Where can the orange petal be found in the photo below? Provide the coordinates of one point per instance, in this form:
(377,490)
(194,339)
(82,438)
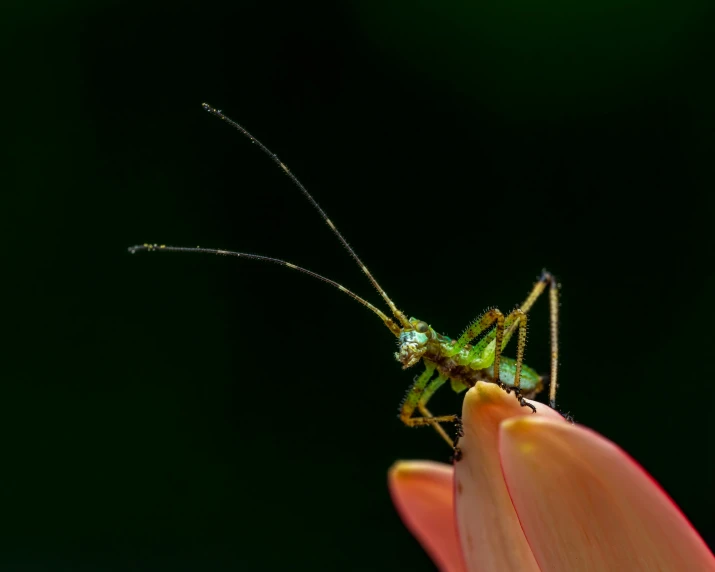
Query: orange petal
(586,505)
(489,529)
(423,493)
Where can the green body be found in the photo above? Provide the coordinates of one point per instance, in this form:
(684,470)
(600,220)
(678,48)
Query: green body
(464,364)
(475,356)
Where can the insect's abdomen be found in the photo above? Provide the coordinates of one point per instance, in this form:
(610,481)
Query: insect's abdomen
(530,381)
(463,376)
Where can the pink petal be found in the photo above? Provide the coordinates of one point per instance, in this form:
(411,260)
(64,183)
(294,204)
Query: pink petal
(585,505)
(489,529)
(423,493)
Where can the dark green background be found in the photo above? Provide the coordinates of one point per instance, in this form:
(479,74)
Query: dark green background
(176,412)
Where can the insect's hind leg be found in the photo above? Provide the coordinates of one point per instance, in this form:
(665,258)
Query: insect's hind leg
(554,325)
(546,279)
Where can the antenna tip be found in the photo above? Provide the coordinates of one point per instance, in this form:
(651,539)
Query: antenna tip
(210,109)
(141,247)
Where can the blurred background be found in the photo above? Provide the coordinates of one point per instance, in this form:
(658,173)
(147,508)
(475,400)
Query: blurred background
(180,412)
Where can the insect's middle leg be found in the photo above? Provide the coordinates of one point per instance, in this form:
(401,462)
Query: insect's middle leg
(517,319)
(475,329)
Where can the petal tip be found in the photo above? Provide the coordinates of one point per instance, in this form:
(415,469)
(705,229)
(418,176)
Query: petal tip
(399,468)
(405,471)
(484,393)
(488,391)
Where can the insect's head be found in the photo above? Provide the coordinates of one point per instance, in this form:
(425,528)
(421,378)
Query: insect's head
(413,342)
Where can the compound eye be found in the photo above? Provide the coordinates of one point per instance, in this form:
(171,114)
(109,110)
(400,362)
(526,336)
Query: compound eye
(422,327)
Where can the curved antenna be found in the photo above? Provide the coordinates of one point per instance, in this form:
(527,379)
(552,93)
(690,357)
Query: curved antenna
(394,328)
(218,113)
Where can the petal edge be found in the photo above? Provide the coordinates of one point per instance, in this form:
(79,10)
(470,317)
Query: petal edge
(584,504)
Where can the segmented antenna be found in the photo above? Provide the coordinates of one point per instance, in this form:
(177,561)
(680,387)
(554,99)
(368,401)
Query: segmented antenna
(394,328)
(397,313)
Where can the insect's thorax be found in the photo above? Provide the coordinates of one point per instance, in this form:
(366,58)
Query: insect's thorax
(423,342)
(463,367)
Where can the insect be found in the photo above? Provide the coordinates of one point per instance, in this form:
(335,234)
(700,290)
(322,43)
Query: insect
(475,356)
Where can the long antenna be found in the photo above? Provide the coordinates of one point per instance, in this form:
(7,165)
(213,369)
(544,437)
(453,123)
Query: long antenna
(394,328)
(218,113)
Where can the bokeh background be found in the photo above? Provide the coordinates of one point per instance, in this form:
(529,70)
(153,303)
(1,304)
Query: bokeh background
(178,412)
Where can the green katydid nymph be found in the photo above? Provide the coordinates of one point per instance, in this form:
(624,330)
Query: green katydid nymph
(475,356)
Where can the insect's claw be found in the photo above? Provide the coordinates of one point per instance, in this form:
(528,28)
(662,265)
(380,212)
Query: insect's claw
(503,385)
(524,403)
(459,427)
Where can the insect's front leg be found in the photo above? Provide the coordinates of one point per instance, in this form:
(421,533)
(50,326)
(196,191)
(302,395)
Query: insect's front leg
(417,397)
(433,386)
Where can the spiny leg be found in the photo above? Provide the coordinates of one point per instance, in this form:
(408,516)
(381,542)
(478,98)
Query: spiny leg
(486,320)
(554,323)
(437,427)
(500,336)
(482,323)
(504,330)
(536,291)
(496,336)
(517,319)
(433,386)
(412,398)
(546,279)
(412,402)
(417,397)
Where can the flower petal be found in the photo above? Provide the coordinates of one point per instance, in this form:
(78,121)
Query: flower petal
(586,505)
(489,529)
(423,493)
